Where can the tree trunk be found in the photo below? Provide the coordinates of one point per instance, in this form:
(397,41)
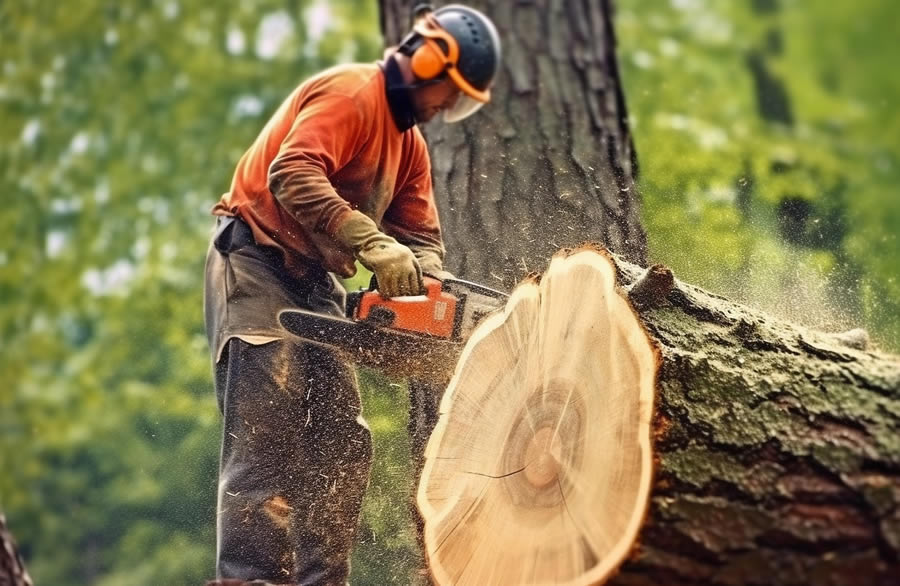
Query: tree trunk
(550,161)
(12,568)
(776,448)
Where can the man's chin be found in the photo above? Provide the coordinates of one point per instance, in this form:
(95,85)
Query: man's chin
(426,116)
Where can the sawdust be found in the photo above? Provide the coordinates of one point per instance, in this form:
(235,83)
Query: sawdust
(279,511)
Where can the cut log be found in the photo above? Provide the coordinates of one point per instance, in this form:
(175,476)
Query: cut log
(776,449)
(539,469)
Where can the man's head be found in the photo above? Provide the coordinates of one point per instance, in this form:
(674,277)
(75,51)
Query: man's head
(453,55)
(430,99)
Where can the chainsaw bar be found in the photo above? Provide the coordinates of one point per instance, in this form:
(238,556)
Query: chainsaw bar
(394,352)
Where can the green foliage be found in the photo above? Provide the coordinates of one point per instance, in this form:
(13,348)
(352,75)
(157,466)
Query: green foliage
(121,124)
(787,202)
(386,551)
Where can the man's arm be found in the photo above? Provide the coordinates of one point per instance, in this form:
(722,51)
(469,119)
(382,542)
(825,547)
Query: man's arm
(310,153)
(325,136)
(412,217)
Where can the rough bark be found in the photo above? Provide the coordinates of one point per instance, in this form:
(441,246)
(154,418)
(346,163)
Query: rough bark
(550,162)
(777,451)
(12,568)
(778,448)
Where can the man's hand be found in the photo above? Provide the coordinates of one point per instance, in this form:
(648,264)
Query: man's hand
(431,262)
(439,274)
(395,266)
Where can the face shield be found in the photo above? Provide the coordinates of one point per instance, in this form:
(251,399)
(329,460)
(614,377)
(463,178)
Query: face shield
(469,101)
(440,56)
(464,107)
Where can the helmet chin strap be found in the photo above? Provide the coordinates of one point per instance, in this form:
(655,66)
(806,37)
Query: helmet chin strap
(399,92)
(399,95)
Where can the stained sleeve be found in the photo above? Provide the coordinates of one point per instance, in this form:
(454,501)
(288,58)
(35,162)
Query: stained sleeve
(412,217)
(327,133)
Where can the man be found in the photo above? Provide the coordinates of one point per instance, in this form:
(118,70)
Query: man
(340,173)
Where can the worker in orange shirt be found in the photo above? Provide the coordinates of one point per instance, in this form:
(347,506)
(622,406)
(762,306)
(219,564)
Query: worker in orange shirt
(340,173)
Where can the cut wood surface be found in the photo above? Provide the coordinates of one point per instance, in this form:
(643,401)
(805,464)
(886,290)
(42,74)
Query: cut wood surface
(776,448)
(539,469)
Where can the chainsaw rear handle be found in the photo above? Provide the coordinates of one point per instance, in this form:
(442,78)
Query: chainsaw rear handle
(429,283)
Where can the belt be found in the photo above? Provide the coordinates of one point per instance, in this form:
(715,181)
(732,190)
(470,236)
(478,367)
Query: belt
(233,233)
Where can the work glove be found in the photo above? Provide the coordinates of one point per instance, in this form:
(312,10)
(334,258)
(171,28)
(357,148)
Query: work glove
(395,266)
(439,274)
(431,263)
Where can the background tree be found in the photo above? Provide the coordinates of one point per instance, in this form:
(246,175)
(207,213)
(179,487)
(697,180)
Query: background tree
(12,569)
(550,163)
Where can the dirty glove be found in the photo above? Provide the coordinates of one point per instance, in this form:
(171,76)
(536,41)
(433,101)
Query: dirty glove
(395,266)
(439,274)
(431,263)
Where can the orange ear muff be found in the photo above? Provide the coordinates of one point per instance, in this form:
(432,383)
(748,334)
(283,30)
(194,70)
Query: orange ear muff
(428,61)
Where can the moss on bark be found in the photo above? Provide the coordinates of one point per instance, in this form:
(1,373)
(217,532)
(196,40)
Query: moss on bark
(777,449)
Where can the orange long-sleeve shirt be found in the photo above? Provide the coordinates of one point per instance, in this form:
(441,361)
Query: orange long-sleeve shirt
(331,147)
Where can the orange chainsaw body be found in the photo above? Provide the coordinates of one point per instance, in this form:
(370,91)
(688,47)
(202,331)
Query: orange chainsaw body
(433,313)
(418,336)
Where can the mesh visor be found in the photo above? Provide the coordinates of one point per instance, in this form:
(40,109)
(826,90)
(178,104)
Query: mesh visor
(464,107)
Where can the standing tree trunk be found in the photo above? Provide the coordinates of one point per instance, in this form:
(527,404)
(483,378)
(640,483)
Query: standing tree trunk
(550,162)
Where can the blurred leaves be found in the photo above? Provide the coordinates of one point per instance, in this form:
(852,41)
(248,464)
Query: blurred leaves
(121,124)
(768,138)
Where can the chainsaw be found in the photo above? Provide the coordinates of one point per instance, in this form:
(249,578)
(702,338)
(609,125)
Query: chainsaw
(416,336)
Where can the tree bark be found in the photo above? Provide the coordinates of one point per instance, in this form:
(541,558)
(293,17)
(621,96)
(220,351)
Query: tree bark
(777,451)
(550,161)
(12,568)
(776,448)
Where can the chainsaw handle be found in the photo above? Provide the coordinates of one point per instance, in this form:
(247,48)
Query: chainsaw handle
(432,286)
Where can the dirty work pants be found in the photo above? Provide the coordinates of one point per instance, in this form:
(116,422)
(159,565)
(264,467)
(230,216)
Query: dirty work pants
(296,452)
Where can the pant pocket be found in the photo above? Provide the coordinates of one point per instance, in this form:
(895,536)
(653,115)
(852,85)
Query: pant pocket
(223,241)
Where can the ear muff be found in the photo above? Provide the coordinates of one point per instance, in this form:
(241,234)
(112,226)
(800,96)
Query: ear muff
(428,61)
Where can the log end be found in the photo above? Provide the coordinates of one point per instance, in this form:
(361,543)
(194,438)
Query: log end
(539,469)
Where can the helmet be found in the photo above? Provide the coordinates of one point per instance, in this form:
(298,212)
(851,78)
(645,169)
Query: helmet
(462,43)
